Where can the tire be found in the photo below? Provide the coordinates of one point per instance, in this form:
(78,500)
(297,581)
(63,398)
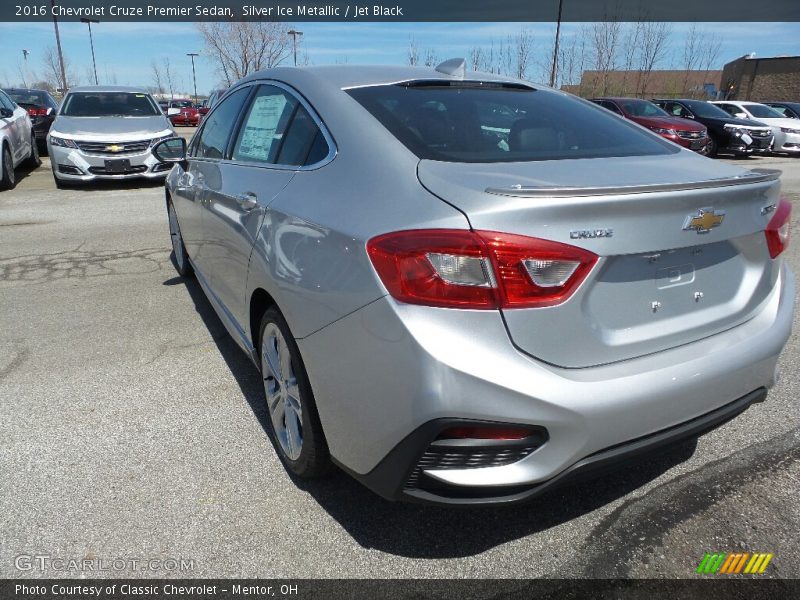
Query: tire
(712,147)
(33,161)
(182,264)
(293,418)
(8,178)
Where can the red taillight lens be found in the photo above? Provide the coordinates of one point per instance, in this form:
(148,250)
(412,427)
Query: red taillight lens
(778,229)
(484,433)
(477,269)
(37,112)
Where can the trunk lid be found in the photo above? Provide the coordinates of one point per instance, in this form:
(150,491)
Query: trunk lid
(657,284)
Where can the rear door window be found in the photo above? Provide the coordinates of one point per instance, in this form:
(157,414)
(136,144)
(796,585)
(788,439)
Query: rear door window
(261,135)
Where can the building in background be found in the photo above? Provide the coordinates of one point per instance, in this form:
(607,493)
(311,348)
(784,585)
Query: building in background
(762,79)
(641,84)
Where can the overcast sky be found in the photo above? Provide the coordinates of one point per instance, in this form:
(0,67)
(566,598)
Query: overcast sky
(124,50)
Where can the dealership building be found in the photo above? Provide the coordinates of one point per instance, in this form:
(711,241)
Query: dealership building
(762,79)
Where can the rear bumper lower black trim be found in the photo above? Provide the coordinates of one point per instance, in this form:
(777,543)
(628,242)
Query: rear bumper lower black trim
(389,476)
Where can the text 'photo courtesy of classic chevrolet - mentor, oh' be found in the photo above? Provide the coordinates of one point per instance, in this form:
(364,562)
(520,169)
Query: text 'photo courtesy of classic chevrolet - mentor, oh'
(463,288)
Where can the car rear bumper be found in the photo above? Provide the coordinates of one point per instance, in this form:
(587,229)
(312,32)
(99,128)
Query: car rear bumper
(70,164)
(430,368)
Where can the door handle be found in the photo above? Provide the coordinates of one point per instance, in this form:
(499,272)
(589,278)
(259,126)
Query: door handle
(248,201)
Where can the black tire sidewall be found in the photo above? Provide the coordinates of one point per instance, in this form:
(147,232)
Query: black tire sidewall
(7,177)
(185,269)
(314,458)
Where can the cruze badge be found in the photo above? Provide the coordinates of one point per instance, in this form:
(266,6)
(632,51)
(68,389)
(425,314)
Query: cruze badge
(704,220)
(581,234)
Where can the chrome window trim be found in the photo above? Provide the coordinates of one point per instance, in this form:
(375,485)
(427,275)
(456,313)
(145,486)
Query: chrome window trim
(332,148)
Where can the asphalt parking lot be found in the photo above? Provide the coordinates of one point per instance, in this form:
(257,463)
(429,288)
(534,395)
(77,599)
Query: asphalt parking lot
(131,426)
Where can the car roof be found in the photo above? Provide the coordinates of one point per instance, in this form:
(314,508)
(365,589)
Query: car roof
(350,76)
(108,88)
(619,98)
(18,89)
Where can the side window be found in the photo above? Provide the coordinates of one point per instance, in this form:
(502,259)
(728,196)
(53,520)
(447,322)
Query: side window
(213,139)
(783,110)
(729,108)
(5,101)
(679,110)
(612,107)
(262,133)
(304,143)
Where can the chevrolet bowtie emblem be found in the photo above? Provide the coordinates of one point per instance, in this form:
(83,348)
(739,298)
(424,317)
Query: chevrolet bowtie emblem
(704,221)
(114,148)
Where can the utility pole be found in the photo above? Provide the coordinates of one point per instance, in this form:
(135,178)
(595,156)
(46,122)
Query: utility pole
(555,49)
(294,33)
(194,75)
(91,43)
(58,45)
(25,67)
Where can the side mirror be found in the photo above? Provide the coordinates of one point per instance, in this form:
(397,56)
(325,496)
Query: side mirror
(171,150)
(6,113)
(688,116)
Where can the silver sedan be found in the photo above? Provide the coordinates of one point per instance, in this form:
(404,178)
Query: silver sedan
(106,132)
(463,288)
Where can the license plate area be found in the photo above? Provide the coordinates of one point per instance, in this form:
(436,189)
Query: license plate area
(118,165)
(696,144)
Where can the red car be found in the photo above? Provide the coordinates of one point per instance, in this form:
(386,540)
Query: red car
(183,112)
(683,132)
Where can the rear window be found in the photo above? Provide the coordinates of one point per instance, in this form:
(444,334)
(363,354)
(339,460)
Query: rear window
(108,104)
(484,123)
(28,97)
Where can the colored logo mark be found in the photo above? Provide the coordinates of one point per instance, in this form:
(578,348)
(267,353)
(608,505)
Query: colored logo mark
(733,563)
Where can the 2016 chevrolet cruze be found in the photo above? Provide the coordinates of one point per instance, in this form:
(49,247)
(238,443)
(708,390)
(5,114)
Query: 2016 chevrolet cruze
(462,288)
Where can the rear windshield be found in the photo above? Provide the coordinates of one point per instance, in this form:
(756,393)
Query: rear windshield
(642,108)
(28,97)
(181,104)
(108,104)
(485,123)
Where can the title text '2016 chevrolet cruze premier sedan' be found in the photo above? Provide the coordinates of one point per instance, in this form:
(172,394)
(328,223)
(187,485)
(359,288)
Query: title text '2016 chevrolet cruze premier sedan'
(463,288)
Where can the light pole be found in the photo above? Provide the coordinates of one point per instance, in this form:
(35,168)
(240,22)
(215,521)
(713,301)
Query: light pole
(25,68)
(91,43)
(194,75)
(64,83)
(555,49)
(294,33)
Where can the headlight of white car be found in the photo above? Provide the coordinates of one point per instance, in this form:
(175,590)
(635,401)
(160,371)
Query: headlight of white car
(788,130)
(63,142)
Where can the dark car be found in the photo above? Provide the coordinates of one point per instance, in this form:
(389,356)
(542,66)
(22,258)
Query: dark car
(183,112)
(213,98)
(726,133)
(790,110)
(41,107)
(686,133)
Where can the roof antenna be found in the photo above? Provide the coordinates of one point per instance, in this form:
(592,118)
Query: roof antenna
(455,67)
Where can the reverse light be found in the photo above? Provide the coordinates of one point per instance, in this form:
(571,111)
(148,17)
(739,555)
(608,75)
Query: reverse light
(778,229)
(477,269)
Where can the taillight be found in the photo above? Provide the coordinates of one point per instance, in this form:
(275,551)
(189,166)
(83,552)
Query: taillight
(477,269)
(37,112)
(778,229)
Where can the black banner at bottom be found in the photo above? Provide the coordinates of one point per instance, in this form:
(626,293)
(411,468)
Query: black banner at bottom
(433,589)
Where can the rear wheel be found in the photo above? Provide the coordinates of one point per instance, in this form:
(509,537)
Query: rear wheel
(7,178)
(33,161)
(182,264)
(711,148)
(293,416)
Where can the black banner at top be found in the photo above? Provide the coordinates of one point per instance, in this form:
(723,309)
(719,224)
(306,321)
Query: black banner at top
(403,10)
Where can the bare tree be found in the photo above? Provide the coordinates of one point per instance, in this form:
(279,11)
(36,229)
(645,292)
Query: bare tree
(479,59)
(709,54)
(652,42)
(413,52)
(572,60)
(605,39)
(240,48)
(157,78)
(52,70)
(523,51)
(700,53)
(431,57)
(172,79)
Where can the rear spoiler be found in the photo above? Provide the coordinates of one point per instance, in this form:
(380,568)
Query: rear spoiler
(752,176)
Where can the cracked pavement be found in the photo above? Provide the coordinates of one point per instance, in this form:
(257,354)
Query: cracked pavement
(132,426)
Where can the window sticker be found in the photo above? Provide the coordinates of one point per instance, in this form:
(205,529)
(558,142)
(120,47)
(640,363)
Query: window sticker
(260,130)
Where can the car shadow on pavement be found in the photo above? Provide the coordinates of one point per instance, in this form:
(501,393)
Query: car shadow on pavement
(418,531)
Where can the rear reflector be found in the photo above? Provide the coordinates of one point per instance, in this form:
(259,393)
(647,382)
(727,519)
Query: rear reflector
(778,229)
(484,433)
(477,269)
